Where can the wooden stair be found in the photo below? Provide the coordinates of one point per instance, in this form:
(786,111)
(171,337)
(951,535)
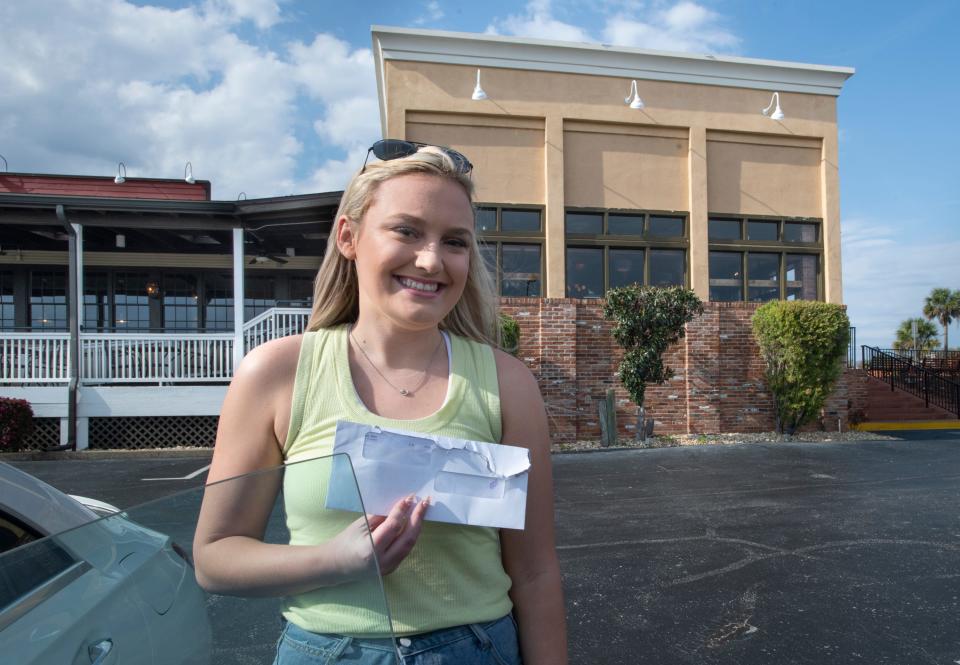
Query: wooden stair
(884,404)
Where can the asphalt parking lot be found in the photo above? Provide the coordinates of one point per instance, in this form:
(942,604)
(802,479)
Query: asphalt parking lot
(748,554)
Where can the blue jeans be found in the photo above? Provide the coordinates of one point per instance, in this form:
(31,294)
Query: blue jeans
(493,643)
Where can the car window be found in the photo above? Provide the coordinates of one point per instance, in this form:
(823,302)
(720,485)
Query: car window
(27,568)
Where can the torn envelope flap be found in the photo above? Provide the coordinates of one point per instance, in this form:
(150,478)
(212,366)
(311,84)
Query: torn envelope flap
(470,482)
(496,460)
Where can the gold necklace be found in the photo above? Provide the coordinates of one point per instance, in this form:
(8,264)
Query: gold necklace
(402,391)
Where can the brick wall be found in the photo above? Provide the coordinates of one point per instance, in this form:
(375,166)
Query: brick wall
(718,373)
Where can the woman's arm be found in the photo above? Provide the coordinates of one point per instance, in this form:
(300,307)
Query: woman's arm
(229,552)
(529,556)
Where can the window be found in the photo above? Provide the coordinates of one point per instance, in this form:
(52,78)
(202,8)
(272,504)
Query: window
(610,249)
(259,295)
(96,301)
(764,259)
(511,244)
(218,301)
(181,308)
(8,319)
(48,300)
(131,303)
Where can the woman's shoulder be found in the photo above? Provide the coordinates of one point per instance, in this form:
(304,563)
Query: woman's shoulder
(271,363)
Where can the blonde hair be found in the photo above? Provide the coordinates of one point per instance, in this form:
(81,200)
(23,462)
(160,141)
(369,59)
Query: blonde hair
(336,290)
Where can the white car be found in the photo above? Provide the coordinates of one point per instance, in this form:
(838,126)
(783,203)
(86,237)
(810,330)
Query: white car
(77,589)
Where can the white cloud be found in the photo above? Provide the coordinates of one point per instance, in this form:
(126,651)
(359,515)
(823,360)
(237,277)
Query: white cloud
(537,21)
(886,276)
(433,12)
(263,13)
(683,26)
(89,84)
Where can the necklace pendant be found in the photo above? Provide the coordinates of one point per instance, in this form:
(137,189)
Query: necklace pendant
(404,392)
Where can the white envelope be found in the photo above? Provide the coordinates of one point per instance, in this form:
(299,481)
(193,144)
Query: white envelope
(469,482)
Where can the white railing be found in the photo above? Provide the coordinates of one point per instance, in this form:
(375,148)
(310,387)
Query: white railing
(275,322)
(34,357)
(156,358)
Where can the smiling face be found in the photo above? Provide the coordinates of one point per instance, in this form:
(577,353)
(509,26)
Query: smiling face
(411,250)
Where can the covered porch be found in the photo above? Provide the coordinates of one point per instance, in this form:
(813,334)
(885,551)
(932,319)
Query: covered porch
(114,308)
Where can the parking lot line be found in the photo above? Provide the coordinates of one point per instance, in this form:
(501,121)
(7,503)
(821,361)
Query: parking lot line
(189,476)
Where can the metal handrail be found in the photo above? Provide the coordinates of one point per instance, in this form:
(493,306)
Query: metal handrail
(903,373)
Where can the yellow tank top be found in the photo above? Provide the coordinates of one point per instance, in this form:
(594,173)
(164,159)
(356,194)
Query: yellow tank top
(454,574)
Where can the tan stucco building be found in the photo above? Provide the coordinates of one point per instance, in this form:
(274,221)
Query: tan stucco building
(579,191)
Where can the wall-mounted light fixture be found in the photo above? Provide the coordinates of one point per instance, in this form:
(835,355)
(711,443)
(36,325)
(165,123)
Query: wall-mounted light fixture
(153,289)
(478,93)
(121,241)
(777,113)
(633,99)
(121,174)
(188,173)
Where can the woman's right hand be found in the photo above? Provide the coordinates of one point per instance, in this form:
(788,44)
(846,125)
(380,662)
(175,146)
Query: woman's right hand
(392,537)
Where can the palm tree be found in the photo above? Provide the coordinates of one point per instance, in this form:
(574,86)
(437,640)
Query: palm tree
(944,306)
(926,339)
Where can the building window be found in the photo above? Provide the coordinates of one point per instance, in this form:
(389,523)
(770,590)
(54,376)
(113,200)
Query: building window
(96,301)
(181,307)
(8,318)
(131,303)
(511,244)
(762,259)
(259,295)
(218,301)
(301,291)
(610,249)
(48,300)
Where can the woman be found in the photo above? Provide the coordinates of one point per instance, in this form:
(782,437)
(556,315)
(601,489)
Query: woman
(399,336)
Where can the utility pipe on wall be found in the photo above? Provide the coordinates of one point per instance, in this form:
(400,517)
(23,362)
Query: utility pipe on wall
(73,281)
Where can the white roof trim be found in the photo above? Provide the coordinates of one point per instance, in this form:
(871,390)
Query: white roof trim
(478,50)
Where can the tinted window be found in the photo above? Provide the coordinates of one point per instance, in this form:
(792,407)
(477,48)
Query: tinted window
(799,232)
(585,223)
(486,220)
(626,267)
(763,271)
(726,276)
(762,230)
(625,225)
(667,267)
(724,229)
(521,270)
(27,560)
(520,220)
(584,272)
(801,276)
(665,227)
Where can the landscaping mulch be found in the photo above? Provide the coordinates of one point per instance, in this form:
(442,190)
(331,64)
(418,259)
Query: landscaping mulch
(675,440)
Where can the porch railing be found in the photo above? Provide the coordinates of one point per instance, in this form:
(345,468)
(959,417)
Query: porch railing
(34,357)
(275,322)
(156,358)
(39,358)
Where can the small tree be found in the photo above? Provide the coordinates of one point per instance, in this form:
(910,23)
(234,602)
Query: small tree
(802,344)
(16,423)
(647,320)
(509,334)
(926,339)
(944,306)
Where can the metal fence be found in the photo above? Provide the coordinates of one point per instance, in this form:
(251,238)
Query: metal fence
(905,374)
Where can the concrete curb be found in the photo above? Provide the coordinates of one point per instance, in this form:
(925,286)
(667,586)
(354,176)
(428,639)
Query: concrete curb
(901,425)
(152,453)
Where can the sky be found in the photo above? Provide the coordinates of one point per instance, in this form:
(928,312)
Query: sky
(274,97)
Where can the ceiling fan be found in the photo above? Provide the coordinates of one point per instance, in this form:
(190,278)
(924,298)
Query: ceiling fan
(263,257)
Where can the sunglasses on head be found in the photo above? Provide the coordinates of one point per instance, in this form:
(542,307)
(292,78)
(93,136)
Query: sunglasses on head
(387,149)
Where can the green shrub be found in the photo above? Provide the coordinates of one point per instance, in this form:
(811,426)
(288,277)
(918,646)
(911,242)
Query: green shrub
(647,320)
(803,344)
(16,423)
(509,334)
